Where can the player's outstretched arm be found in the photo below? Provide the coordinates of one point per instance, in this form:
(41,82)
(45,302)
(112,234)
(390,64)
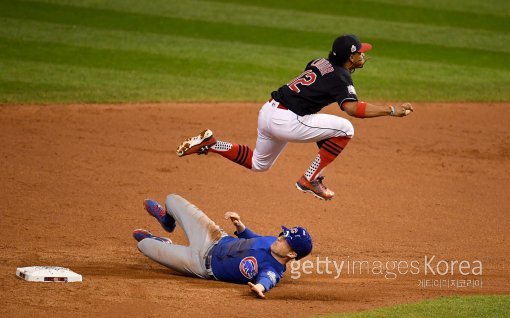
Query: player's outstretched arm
(236,220)
(367,110)
(258,289)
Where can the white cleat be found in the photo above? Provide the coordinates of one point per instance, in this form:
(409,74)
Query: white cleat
(199,144)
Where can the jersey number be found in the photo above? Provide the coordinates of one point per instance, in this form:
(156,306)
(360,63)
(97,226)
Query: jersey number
(306,78)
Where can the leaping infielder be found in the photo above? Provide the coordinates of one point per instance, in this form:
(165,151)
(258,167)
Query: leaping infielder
(291,115)
(258,261)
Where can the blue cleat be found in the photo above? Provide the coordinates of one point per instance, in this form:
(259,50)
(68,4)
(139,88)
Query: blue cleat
(157,211)
(141,234)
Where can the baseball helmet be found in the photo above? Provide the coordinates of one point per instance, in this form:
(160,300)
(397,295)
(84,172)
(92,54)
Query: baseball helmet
(299,240)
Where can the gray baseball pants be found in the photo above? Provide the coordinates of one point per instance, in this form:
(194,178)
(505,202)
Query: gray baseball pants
(202,234)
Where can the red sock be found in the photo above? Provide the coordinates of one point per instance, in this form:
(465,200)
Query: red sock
(328,151)
(239,154)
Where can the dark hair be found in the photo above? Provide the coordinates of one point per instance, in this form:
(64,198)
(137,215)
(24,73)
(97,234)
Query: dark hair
(337,59)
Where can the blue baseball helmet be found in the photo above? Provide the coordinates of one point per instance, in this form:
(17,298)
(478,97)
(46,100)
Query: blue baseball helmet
(299,240)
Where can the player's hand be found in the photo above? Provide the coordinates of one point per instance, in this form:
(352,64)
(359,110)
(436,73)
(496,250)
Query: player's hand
(257,289)
(236,220)
(234,217)
(402,110)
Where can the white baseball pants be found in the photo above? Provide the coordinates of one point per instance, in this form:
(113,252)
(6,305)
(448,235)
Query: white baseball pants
(277,127)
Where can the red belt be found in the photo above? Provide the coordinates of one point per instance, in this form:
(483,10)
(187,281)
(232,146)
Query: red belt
(280,105)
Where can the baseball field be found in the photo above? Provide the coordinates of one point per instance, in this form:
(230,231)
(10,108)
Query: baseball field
(95,96)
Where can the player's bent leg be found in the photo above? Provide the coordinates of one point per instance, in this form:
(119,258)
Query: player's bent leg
(329,149)
(312,181)
(266,152)
(200,230)
(332,135)
(318,127)
(177,257)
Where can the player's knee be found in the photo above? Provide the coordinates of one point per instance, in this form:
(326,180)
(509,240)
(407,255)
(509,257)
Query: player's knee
(171,199)
(260,166)
(347,130)
(174,202)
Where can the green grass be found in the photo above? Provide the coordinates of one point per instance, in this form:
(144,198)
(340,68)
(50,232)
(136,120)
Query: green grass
(472,307)
(68,51)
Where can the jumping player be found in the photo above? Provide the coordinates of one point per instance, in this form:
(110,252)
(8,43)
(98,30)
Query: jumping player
(258,261)
(291,115)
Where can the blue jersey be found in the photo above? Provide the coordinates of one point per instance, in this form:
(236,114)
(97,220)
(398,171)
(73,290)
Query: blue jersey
(246,259)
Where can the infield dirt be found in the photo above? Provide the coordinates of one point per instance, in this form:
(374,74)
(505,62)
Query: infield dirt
(74,179)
